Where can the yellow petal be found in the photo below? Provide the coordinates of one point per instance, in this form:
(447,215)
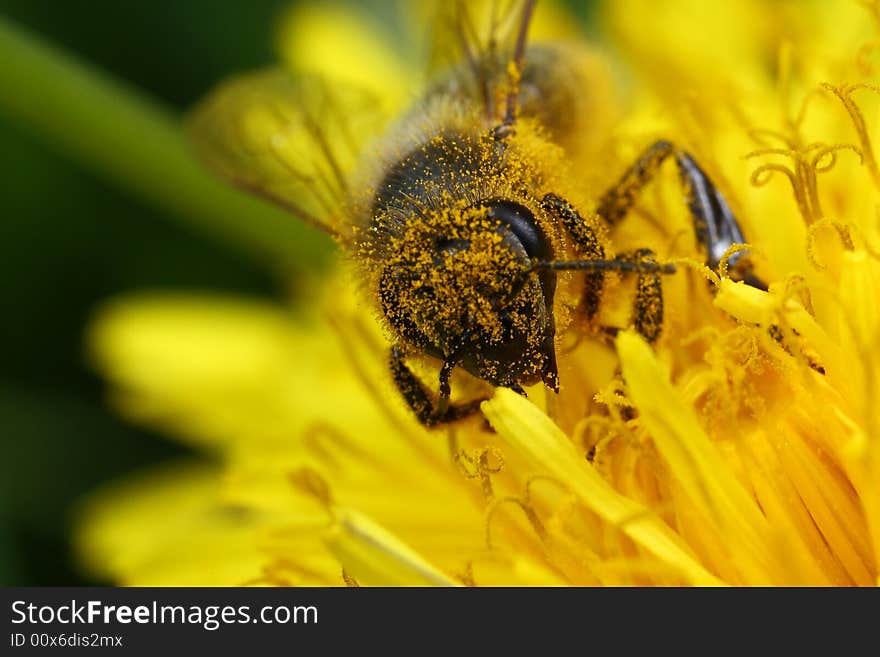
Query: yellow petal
(374,556)
(746,303)
(169,527)
(860,336)
(225,370)
(753,306)
(532,434)
(704,474)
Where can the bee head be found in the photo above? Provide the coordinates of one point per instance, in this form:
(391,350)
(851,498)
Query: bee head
(460,286)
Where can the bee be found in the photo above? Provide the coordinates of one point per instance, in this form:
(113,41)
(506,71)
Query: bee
(468,226)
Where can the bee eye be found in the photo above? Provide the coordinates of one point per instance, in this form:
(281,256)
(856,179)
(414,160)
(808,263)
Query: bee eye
(521,222)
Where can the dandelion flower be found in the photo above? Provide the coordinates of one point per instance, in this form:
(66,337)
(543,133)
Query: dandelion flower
(743,448)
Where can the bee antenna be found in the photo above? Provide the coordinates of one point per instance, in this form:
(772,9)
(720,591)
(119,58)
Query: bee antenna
(515,70)
(628,266)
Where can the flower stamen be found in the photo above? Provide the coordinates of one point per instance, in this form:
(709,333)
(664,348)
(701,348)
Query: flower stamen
(699,267)
(526,508)
(843,232)
(310,481)
(844,93)
(478,465)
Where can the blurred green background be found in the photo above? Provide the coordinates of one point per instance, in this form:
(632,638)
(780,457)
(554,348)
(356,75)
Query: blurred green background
(70,238)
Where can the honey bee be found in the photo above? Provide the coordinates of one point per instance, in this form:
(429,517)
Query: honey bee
(464,216)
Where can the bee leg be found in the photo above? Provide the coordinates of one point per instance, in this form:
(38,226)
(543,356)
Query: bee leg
(588,246)
(418,398)
(616,203)
(648,306)
(647,317)
(445,390)
(715,225)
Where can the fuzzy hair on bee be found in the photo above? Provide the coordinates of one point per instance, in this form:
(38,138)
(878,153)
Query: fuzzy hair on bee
(474,218)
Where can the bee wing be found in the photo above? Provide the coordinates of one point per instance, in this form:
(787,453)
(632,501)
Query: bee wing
(476,32)
(292,139)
